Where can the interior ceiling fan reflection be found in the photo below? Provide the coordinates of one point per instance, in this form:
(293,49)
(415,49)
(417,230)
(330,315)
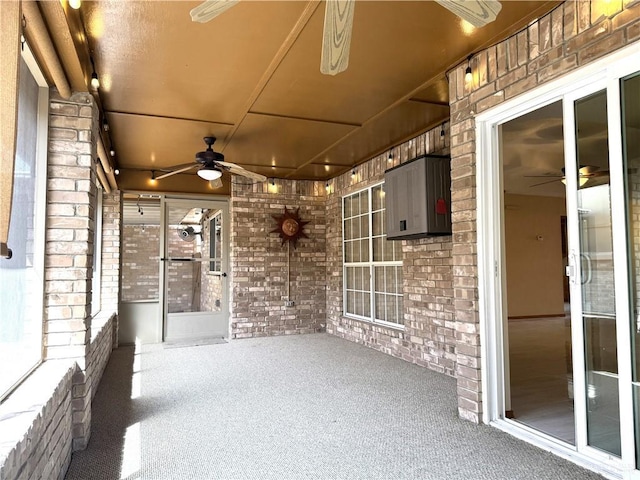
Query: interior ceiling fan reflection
(338,24)
(212,166)
(585,172)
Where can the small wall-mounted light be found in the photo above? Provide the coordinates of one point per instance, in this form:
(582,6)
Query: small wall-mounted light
(390,157)
(353,173)
(117,171)
(75,4)
(95,82)
(272,187)
(112,153)
(442,130)
(105,124)
(468,73)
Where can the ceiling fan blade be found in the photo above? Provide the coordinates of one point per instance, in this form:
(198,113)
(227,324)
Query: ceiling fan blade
(336,36)
(544,183)
(238,170)
(175,172)
(600,173)
(543,176)
(210,9)
(217,183)
(477,12)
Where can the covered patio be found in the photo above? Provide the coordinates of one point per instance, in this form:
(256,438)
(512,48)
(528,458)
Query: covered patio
(302,406)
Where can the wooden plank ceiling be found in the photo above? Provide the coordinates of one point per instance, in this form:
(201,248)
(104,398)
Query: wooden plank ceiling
(251,77)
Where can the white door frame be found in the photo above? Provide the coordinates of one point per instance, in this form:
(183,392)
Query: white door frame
(491,278)
(224,315)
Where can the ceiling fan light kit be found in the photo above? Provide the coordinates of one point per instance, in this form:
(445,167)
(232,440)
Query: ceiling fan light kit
(209,173)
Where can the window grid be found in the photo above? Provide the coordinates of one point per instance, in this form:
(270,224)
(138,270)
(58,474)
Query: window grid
(372,265)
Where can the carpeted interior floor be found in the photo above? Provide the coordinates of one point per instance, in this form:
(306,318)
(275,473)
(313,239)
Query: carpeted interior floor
(307,406)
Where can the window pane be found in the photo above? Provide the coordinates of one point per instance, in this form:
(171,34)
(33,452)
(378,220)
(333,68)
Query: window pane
(348,209)
(377,221)
(350,278)
(377,198)
(21,304)
(380,307)
(378,246)
(366,301)
(364,250)
(364,201)
(364,226)
(348,231)
(351,301)
(391,308)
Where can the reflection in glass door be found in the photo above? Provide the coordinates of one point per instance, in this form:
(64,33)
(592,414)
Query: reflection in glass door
(630,110)
(194,270)
(597,273)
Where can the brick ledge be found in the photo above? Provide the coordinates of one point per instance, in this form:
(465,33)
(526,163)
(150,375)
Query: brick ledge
(22,414)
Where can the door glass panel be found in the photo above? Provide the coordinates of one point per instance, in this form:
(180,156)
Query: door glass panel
(195,298)
(597,279)
(194,281)
(630,93)
(538,350)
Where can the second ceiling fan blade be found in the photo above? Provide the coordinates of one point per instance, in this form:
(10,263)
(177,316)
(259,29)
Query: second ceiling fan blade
(477,12)
(175,172)
(211,9)
(336,36)
(238,170)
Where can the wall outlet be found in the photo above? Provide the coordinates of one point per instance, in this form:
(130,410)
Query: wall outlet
(289,303)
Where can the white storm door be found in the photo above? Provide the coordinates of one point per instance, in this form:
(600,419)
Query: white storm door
(194,269)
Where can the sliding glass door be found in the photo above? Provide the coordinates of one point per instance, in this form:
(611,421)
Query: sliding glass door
(559,196)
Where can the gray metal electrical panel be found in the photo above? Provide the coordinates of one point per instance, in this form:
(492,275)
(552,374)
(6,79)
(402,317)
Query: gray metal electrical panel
(418,198)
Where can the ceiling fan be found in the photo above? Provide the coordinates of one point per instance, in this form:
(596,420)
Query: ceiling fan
(585,172)
(212,166)
(338,23)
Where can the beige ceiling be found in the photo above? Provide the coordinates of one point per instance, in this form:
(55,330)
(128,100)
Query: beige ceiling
(251,77)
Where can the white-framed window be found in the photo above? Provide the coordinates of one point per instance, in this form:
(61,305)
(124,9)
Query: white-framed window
(96,283)
(22,276)
(372,265)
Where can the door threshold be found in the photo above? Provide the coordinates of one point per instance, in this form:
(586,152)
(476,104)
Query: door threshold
(194,342)
(558,447)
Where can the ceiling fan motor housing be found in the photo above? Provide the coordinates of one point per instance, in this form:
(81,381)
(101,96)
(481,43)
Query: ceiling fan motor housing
(208,156)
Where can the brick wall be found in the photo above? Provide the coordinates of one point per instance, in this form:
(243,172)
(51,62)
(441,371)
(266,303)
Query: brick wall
(70,224)
(100,350)
(259,261)
(571,36)
(428,338)
(111,259)
(140,262)
(69,227)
